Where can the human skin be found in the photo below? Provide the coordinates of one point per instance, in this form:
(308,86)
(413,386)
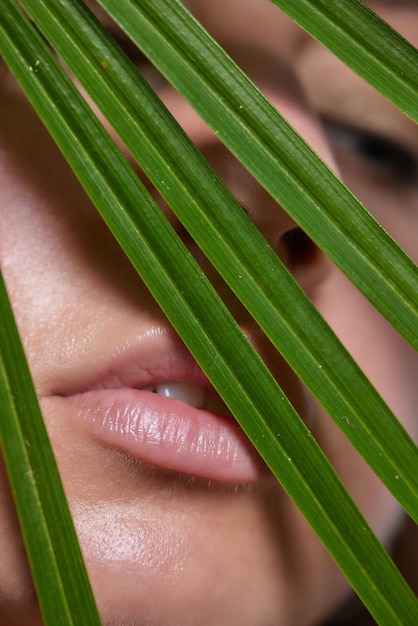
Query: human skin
(163,547)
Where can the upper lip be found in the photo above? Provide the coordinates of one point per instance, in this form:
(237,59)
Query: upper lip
(154,357)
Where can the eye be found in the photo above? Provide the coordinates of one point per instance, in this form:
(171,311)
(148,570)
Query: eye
(379,156)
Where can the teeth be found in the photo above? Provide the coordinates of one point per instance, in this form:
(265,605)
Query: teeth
(186,392)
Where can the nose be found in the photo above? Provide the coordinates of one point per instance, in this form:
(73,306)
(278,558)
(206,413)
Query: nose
(278,83)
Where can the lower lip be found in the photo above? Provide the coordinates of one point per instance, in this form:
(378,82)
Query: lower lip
(170,434)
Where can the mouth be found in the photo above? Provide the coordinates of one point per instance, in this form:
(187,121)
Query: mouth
(156,406)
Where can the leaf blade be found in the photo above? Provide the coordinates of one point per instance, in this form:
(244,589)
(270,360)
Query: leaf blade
(62,585)
(364,42)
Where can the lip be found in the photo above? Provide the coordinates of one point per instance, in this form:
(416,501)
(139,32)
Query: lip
(169,434)
(114,406)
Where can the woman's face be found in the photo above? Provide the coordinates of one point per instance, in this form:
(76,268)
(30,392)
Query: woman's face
(192,541)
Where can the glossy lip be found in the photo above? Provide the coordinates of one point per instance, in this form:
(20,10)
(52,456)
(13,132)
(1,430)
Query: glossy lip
(116,411)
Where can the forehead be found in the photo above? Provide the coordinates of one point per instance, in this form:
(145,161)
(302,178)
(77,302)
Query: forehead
(256,21)
(402,16)
(394,4)
(260,23)
(234,21)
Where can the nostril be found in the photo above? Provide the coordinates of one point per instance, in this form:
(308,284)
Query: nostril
(308,264)
(300,249)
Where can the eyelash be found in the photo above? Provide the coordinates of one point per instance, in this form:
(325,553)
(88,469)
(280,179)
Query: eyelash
(387,157)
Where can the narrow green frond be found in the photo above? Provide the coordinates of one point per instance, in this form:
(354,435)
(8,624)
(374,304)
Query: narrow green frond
(60,577)
(364,42)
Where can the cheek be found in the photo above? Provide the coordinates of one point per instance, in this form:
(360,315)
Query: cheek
(384,356)
(391,365)
(395,206)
